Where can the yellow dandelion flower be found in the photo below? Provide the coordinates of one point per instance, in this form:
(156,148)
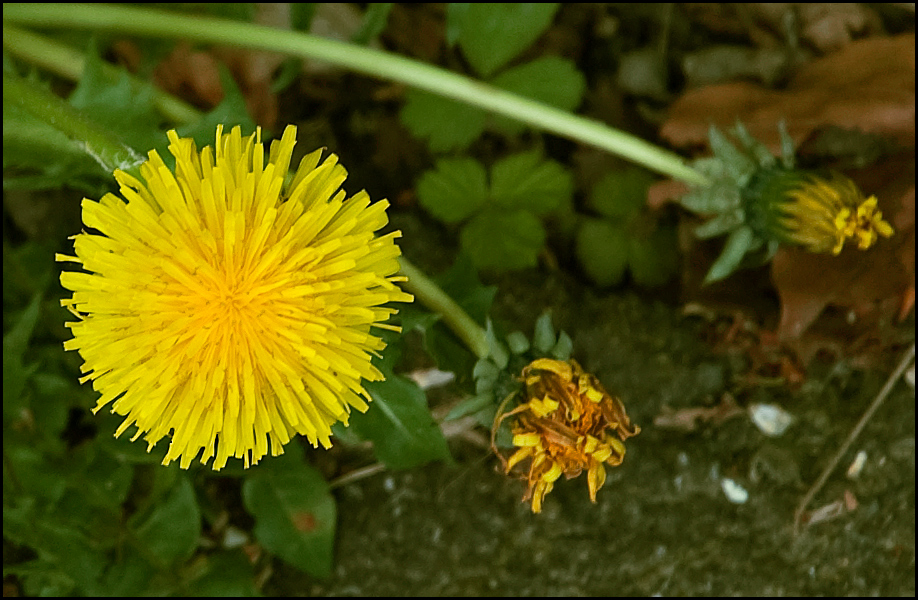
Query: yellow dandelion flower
(816,212)
(566,424)
(229,302)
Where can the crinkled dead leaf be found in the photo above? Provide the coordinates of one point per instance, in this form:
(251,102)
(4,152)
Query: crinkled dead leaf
(869,283)
(868,85)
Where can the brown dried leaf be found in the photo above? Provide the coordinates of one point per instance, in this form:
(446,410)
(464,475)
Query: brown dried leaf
(869,85)
(871,282)
(688,419)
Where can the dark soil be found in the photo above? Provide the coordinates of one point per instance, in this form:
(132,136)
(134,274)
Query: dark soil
(662,524)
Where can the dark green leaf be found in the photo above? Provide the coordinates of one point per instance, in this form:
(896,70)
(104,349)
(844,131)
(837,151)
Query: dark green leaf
(503,240)
(294,515)
(228,574)
(492,34)
(399,424)
(527,181)
(374,22)
(470,405)
(621,193)
(446,124)
(602,248)
(454,190)
(172,528)
(124,106)
(653,259)
(15,372)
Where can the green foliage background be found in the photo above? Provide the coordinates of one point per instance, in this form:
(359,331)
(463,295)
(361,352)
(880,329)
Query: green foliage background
(88,514)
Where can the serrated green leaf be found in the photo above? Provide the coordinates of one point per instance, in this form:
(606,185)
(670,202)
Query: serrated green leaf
(788,160)
(15,371)
(503,240)
(621,193)
(738,166)
(171,530)
(518,342)
(527,181)
(294,515)
(485,374)
(543,337)
(454,190)
(722,196)
(491,34)
(754,147)
(472,404)
(444,123)
(602,249)
(739,242)
(28,142)
(720,224)
(124,106)
(653,259)
(550,79)
(399,424)
(564,347)
(497,352)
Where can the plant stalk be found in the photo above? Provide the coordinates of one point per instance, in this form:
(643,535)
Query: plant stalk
(432,296)
(376,63)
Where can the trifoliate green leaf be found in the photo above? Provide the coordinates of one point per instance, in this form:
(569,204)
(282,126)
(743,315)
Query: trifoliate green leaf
(454,190)
(550,79)
(653,259)
(526,180)
(602,248)
(492,34)
(621,193)
(445,124)
(503,240)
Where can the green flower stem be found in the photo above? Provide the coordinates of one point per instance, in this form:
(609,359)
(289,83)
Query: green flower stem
(104,147)
(69,63)
(158,23)
(432,296)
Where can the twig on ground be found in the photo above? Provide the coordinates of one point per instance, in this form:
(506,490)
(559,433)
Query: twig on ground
(824,476)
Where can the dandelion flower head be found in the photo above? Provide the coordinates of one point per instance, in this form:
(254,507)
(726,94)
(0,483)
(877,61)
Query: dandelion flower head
(566,424)
(229,303)
(821,213)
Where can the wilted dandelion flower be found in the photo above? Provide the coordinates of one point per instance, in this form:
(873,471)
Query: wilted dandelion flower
(567,423)
(230,302)
(820,213)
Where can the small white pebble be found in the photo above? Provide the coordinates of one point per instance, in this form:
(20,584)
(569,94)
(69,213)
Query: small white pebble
(857,465)
(735,493)
(771,419)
